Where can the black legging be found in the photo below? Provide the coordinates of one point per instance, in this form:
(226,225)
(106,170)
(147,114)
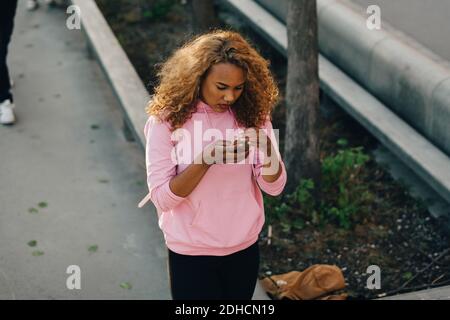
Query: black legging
(7,13)
(231,277)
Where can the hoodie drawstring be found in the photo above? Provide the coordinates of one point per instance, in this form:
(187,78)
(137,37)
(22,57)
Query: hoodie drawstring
(209,120)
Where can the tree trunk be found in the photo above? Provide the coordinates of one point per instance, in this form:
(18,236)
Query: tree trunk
(301,152)
(204,15)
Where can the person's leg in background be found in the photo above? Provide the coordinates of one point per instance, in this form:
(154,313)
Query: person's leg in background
(239,273)
(7,13)
(194,277)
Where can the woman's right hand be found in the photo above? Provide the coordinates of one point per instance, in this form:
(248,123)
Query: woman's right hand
(183,183)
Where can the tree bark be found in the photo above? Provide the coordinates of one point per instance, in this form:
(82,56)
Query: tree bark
(301,152)
(204,15)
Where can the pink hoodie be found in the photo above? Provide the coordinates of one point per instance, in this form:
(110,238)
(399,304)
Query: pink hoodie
(225,212)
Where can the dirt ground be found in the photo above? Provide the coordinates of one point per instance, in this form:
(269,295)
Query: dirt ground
(397,233)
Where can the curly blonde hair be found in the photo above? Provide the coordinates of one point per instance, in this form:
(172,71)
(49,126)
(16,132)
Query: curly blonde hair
(181,75)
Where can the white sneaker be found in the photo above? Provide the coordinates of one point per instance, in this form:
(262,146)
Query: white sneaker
(6,112)
(32,5)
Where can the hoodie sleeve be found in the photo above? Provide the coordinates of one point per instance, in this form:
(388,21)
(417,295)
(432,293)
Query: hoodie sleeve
(276,187)
(159,164)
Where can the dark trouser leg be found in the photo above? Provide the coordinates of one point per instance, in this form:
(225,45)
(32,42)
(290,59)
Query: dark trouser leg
(7,13)
(239,273)
(194,277)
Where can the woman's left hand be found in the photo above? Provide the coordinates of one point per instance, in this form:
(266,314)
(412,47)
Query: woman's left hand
(259,139)
(271,165)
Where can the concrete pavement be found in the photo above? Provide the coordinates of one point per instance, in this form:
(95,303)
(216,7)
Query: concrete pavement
(67,150)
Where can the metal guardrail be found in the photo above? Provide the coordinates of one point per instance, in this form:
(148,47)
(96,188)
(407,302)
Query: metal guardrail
(418,153)
(407,77)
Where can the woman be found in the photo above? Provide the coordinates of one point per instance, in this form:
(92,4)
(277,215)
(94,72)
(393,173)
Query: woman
(207,191)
